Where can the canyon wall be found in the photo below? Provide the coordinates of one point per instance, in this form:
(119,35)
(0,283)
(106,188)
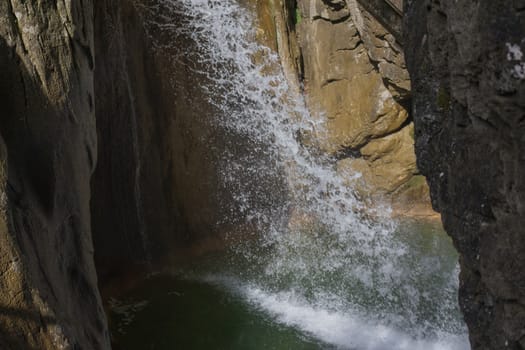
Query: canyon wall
(105,139)
(467,67)
(84,92)
(352,72)
(105,136)
(156,188)
(48,289)
(154,185)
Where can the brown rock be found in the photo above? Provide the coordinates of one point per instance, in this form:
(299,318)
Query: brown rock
(387,163)
(48,292)
(355,80)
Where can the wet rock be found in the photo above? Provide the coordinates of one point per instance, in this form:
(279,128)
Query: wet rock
(354,78)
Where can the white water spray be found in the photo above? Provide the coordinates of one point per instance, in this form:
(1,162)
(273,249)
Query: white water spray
(319,245)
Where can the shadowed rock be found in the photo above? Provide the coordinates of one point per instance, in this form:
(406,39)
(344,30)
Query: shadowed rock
(466,63)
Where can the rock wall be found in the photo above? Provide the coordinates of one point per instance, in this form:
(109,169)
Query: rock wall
(48,288)
(467,67)
(156,188)
(352,72)
(133,206)
(74,77)
(105,136)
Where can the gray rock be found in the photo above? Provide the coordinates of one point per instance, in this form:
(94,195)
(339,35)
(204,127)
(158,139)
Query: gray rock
(465,59)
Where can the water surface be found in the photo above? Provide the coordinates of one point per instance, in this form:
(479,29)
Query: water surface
(230,300)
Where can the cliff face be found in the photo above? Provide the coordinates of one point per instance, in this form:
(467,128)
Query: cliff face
(104,137)
(468,75)
(156,188)
(352,72)
(132,184)
(48,290)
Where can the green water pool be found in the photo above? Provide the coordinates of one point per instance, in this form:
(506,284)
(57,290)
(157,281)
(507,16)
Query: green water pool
(231,300)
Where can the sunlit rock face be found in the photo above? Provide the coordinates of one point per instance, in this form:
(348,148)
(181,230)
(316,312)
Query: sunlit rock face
(466,63)
(346,54)
(352,73)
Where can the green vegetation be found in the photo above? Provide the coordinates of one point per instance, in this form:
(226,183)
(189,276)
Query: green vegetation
(298,17)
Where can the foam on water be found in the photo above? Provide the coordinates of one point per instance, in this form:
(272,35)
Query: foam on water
(344,330)
(336,326)
(326,262)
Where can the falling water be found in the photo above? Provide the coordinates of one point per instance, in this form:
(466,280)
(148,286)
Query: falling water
(323,260)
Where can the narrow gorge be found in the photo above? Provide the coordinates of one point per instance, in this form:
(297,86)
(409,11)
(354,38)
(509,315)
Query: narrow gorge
(241,174)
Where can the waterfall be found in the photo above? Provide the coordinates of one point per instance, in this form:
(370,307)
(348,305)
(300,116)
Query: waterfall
(322,259)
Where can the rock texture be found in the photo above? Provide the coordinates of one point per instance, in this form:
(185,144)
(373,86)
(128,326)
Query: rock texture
(352,72)
(48,288)
(132,205)
(466,61)
(347,55)
(104,134)
(156,187)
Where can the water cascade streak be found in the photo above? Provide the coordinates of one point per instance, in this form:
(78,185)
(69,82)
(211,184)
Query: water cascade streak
(324,260)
